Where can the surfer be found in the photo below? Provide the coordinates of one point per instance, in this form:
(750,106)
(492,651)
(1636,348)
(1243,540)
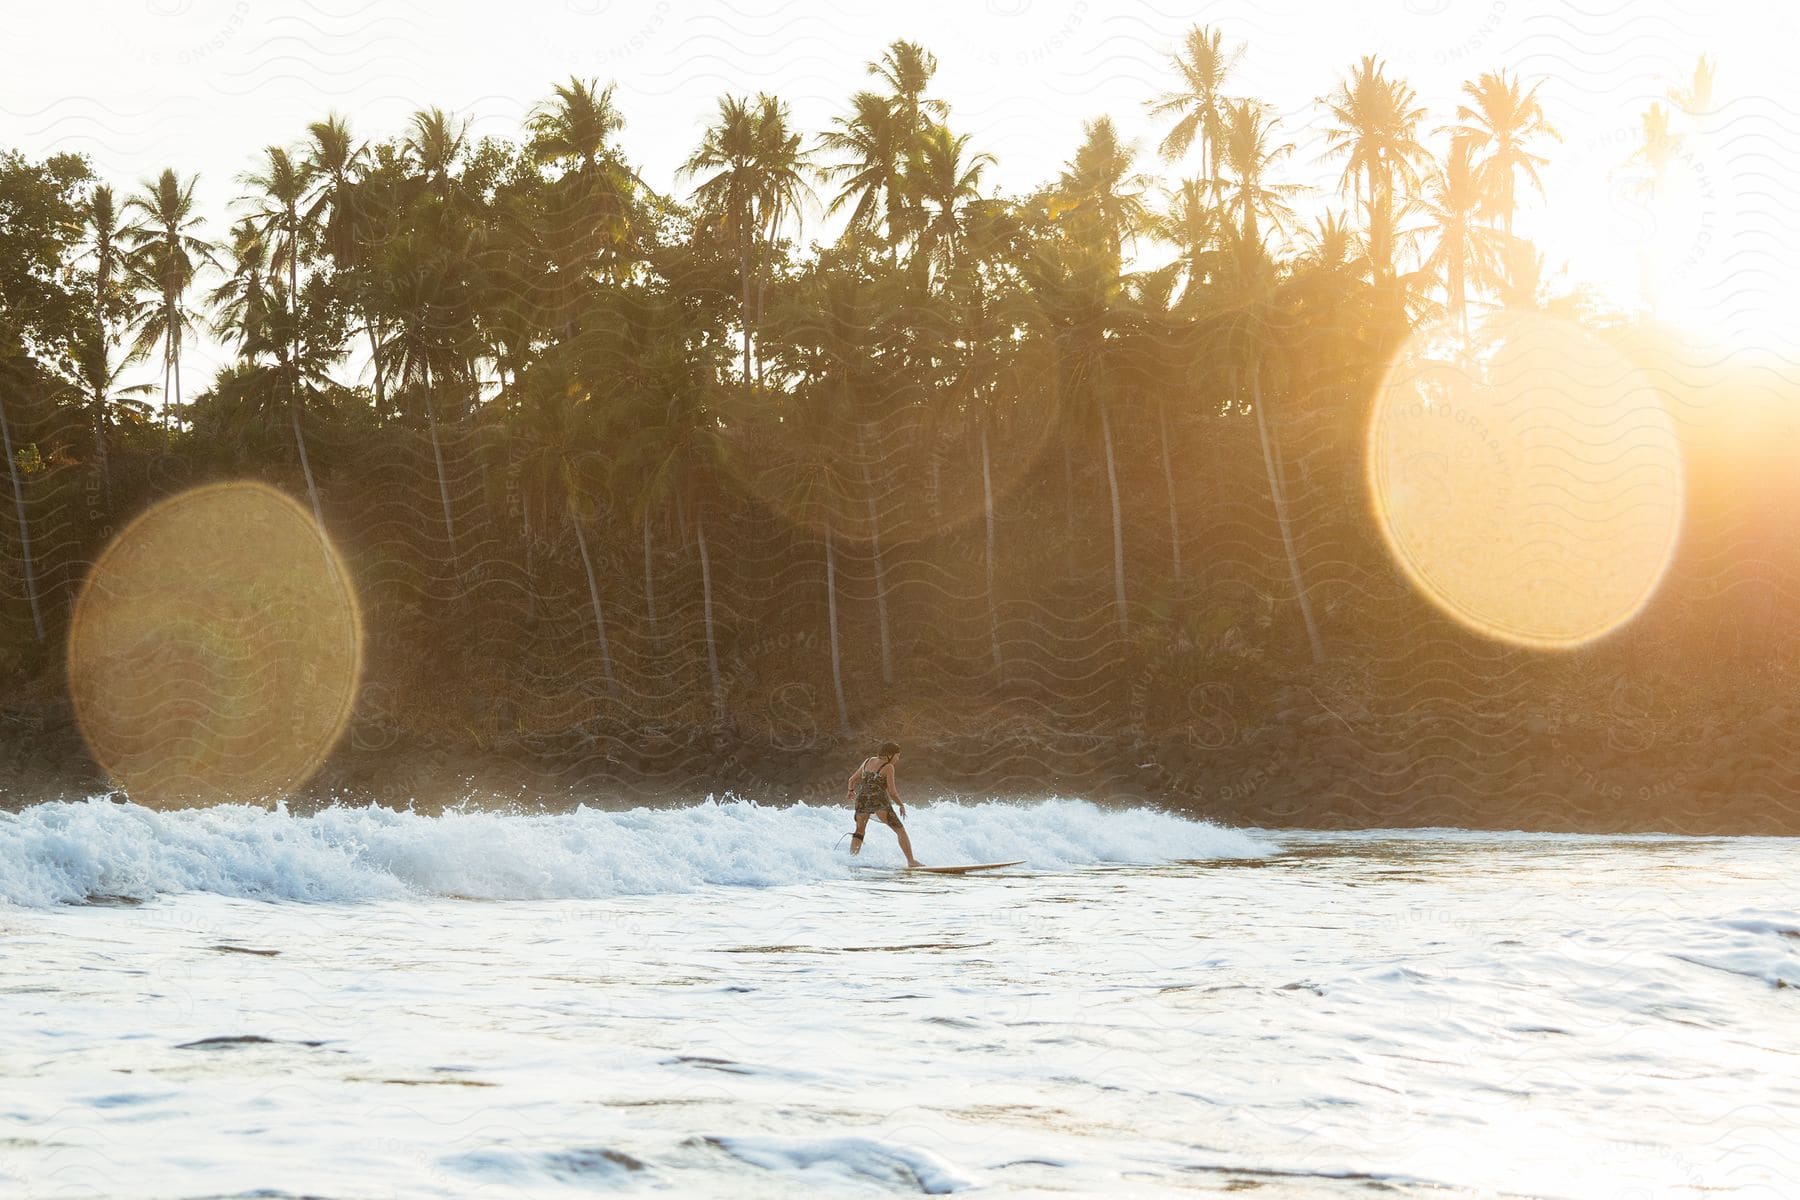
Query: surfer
(872,787)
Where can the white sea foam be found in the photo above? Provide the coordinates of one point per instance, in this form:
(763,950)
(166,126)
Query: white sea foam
(849,1158)
(1346,1015)
(1763,946)
(68,853)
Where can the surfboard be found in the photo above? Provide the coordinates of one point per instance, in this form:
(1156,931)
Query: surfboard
(964,870)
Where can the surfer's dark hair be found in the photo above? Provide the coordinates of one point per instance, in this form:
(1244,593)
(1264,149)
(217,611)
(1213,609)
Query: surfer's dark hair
(889,749)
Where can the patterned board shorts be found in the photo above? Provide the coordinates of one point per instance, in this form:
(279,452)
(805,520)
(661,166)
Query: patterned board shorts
(870,803)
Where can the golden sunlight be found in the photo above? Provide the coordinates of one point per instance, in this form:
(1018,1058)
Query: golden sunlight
(215,649)
(1528,481)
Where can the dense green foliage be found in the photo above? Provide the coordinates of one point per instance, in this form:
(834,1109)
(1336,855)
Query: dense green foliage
(607,463)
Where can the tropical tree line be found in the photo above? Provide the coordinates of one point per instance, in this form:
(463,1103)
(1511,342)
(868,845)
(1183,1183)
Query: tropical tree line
(635,360)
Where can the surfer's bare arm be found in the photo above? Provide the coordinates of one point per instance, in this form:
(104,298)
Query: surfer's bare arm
(892,790)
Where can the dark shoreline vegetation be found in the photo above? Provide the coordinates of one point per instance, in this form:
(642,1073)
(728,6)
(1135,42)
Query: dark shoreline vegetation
(649,496)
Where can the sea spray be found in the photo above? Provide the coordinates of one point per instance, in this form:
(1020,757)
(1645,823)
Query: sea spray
(72,853)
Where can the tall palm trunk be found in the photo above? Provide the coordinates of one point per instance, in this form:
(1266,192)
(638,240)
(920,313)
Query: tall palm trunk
(649,576)
(100,456)
(293,305)
(168,359)
(744,270)
(712,645)
(531,593)
(1069,494)
(1118,527)
(1459,289)
(375,365)
(881,607)
(312,490)
(1281,513)
(762,295)
(987,504)
(837,673)
(37,616)
(587,564)
(1162,423)
(437,454)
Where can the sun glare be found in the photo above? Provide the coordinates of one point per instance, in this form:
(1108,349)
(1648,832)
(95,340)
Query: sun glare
(1528,481)
(215,649)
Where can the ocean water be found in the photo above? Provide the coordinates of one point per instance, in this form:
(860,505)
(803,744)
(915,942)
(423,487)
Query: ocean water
(711,1000)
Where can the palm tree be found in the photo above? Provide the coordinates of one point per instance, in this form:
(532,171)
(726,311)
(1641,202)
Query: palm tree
(1466,253)
(1499,126)
(1377,130)
(949,182)
(661,364)
(812,482)
(275,217)
(1149,334)
(1277,494)
(167,254)
(588,208)
(107,251)
(278,219)
(1191,223)
(729,149)
(339,209)
(1334,247)
(515,308)
(332,162)
(1098,197)
(97,371)
(1248,157)
(641,401)
(841,331)
(871,143)
(782,189)
(1101,209)
(558,426)
(1327,287)
(106,238)
(241,303)
(1198,106)
(428,343)
(1656,151)
(983,303)
(1695,98)
(756,184)
(268,324)
(435,141)
(673,444)
(575,129)
(432,340)
(37,615)
(1247,308)
(907,69)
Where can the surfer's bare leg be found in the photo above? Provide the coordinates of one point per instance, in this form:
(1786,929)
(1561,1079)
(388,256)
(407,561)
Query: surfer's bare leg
(893,823)
(856,839)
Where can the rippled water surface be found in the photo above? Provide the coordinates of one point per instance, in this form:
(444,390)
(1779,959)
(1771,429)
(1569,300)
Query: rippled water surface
(710,1001)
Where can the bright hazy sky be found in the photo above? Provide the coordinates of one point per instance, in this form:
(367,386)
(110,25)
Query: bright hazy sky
(201,85)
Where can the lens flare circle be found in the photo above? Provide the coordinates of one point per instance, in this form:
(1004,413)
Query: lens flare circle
(1527,479)
(215,649)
